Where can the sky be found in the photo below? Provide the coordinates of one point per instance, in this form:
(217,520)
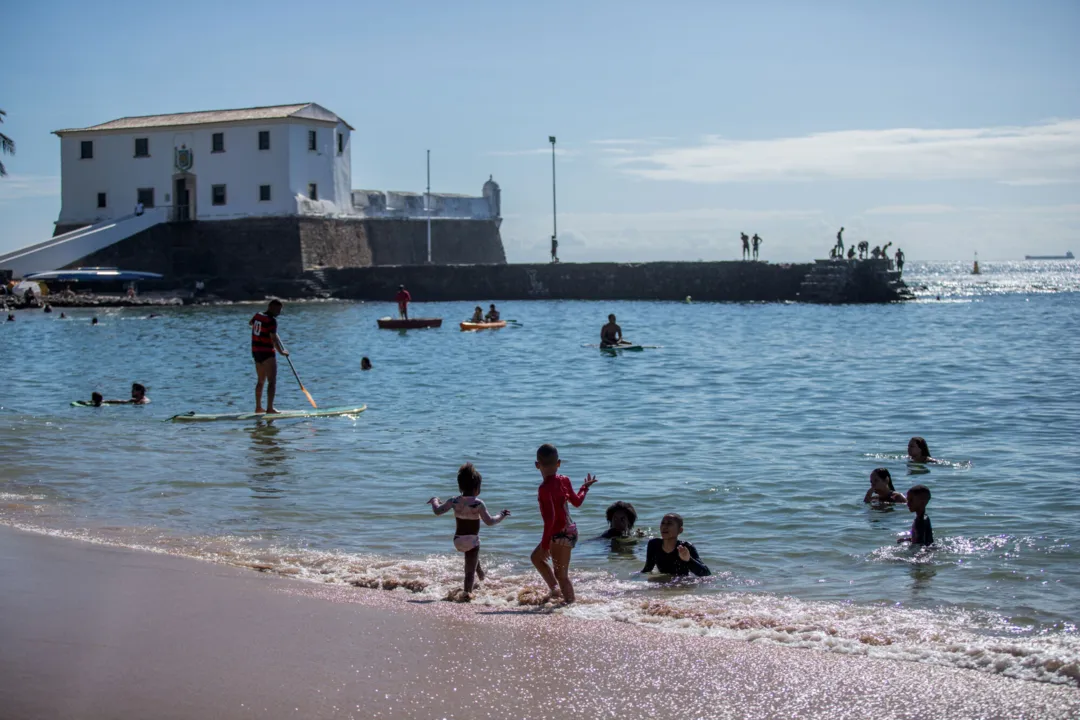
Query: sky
(945,128)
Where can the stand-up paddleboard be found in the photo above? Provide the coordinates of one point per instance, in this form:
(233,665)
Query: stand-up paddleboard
(388,323)
(87,403)
(283,415)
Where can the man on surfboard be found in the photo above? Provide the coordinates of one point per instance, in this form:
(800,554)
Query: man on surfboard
(611,334)
(264,345)
(403,299)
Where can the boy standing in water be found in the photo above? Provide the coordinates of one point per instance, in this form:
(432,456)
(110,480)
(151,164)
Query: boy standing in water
(560,533)
(921,533)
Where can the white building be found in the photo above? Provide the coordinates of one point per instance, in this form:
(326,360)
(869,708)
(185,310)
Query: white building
(216,165)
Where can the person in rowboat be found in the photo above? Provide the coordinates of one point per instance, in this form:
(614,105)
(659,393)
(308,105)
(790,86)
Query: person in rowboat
(492,314)
(477,315)
(611,334)
(264,345)
(403,299)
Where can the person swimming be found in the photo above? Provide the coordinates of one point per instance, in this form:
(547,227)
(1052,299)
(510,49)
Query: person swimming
(918,450)
(365,363)
(670,555)
(881,488)
(621,517)
(918,497)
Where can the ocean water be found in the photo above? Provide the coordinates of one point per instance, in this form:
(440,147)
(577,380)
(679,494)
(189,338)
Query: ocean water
(759,423)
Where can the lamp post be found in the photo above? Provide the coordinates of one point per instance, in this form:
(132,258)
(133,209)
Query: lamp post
(427,206)
(554,213)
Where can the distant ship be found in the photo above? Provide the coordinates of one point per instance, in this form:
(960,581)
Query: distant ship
(1066,256)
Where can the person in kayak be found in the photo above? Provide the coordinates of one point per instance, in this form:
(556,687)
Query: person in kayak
(611,334)
(670,555)
(492,314)
(264,345)
(403,299)
(477,315)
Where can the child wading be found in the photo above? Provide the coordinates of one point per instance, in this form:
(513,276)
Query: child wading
(918,497)
(560,532)
(469,510)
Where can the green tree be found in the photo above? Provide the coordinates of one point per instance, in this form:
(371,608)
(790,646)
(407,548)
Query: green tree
(7,146)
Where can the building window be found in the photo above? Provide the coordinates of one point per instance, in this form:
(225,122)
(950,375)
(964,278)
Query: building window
(217,194)
(264,193)
(312,191)
(146,197)
(311,138)
(101,197)
(264,139)
(87,150)
(142,147)
(217,142)
(340,143)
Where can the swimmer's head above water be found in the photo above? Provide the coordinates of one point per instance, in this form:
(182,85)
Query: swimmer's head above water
(621,517)
(881,481)
(671,526)
(918,450)
(96,399)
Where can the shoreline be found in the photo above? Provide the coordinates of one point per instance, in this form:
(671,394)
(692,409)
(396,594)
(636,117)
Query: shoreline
(94,631)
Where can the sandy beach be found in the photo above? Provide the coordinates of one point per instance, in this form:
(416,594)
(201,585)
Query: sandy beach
(92,631)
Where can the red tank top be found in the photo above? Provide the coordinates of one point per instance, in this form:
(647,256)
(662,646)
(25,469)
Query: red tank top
(262,325)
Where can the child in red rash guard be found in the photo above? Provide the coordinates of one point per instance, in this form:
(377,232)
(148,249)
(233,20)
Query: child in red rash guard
(560,532)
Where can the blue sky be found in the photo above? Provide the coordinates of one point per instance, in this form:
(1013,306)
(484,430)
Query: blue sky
(945,128)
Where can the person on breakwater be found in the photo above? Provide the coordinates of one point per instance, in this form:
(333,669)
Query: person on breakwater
(918,497)
(851,253)
(840,243)
(365,363)
(264,345)
(745,245)
(477,315)
(403,299)
(881,488)
(621,517)
(900,260)
(671,556)
(918,450)
(492,314)
(864,248)
(554,249)
(611,334)
(757,244)
(469,510)
(560,533)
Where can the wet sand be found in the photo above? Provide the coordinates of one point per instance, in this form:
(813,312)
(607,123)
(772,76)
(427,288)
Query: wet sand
(90,631)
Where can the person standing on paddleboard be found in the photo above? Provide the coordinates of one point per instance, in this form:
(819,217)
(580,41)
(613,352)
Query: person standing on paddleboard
(403,299)
(264,345)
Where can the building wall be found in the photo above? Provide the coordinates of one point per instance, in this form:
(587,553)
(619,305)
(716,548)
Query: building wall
(286,247)
(287,167)
(379,203)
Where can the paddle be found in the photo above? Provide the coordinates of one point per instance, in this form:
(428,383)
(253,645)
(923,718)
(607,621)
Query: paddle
(298,382)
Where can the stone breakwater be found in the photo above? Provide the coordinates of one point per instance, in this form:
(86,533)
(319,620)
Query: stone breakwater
(706,281)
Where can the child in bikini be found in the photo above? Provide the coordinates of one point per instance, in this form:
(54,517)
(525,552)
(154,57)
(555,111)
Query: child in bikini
(881,488)
(469,510)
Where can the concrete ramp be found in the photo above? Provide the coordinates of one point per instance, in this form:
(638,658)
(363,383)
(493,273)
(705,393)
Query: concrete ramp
(62,250)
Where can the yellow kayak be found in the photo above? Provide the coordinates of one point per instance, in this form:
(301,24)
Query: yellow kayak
(483,325)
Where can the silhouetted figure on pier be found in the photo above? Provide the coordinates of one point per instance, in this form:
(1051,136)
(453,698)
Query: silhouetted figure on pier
(864,248)
(745,246)
(757,243)
(885,250)
(554,250)
(851,253)
(876,252)
(840,244)
(900,260)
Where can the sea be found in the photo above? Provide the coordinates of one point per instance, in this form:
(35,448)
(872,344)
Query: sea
(759,423)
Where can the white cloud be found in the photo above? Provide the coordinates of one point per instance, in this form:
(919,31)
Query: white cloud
(536,151)
(21,187)
(910,210)
(1031,154)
